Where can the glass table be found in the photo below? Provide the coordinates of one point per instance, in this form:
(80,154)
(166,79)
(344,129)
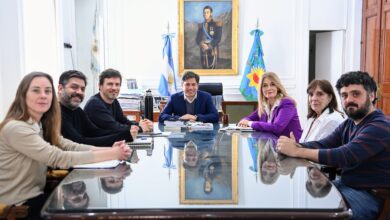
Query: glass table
(200,174)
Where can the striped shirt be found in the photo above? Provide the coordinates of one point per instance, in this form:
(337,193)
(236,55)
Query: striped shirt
(362,151)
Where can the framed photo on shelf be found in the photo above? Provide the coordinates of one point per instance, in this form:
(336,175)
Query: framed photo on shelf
(208,32)
(214,178)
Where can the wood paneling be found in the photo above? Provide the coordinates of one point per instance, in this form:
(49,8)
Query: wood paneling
(375,57)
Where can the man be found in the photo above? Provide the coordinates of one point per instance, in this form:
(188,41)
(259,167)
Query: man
(75,124)
(190,104)
(208,38)
(360,146)
(103,108)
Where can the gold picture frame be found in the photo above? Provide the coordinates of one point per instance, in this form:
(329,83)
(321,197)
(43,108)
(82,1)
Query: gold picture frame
(219,56)
(224,184)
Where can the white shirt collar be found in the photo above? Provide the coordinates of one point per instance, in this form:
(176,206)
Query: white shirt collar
(188,100)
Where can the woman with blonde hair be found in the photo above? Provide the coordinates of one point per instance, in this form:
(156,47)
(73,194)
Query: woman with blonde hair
(30,141)
(276,112)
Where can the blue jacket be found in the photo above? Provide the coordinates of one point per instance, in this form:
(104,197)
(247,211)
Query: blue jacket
(176,107)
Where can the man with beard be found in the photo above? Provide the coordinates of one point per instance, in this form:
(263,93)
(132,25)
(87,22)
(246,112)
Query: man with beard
(104,109)
(75,124)
(359,146)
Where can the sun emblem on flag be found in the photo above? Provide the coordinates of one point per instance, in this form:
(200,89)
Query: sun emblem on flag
(254,77)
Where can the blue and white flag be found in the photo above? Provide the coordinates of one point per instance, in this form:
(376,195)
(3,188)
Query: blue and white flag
(167,84)
(96,53)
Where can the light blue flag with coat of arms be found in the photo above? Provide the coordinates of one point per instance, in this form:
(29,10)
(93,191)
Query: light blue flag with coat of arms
(254,68)
(167,84)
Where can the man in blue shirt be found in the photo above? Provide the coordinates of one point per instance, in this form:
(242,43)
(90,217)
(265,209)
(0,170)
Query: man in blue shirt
(360,146)
(190,104)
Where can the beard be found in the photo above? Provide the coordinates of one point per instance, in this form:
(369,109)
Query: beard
(359,113)
(67,100)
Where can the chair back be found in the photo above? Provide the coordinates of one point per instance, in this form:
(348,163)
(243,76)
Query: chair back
(238,109)
(216,92)
(213,88)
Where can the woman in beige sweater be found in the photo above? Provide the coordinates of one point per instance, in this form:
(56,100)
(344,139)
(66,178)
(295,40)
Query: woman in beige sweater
(30,141)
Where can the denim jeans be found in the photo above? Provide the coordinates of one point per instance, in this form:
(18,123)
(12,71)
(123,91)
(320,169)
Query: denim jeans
(364,205)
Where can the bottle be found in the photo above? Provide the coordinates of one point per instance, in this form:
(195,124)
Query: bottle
(148,105)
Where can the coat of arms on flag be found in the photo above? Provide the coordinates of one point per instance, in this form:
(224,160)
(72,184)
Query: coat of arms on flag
(254,68)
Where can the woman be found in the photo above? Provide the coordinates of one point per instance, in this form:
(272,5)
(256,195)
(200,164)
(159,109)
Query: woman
(276,112)
(267,164)
(30,141)
(323,116)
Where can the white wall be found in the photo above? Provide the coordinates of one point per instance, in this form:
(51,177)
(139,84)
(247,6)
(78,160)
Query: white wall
(134,43)
(11,55)
(329,55)
(40,37)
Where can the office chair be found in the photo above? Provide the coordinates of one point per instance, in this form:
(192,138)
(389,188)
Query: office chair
(216,92)
(238,109)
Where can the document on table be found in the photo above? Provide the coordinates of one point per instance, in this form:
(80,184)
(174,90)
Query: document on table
(154,134)
(100,165)
(236,128)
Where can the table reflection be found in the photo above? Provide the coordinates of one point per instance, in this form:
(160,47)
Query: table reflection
(201,172)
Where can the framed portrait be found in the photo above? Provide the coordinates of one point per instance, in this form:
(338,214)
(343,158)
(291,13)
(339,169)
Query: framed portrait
(208,32)
(214,179)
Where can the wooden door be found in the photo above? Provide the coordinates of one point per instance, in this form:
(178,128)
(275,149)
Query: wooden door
(384,68)
(375,56)
(371,37)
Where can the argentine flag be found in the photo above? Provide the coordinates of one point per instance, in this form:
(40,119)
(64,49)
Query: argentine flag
(167,84)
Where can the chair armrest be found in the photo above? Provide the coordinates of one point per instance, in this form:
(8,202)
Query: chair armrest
(13,212)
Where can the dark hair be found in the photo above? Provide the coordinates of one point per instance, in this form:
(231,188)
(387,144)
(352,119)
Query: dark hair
(110,189)
(358,78)
(325,189)
(65,76)
(208,7)
(328,89)
(51,120)
(188,75)
(109,73)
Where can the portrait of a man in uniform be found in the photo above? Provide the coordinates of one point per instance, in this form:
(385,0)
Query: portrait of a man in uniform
(208,38)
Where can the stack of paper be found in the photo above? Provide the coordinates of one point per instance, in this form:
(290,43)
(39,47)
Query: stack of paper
(177,123)
(236,128)
(100,165)
(141,143)
(200,126)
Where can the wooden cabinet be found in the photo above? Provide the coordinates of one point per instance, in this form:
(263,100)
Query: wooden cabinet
(375,56)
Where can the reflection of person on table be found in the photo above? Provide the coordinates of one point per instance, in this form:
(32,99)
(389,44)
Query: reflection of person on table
(208,37)
(210,176)
(114,183)
(267,163)
(190,158)
(75,195)
(209,168)
(317,184)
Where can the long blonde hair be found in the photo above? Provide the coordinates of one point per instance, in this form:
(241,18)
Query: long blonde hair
(51,120)
(281,93)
